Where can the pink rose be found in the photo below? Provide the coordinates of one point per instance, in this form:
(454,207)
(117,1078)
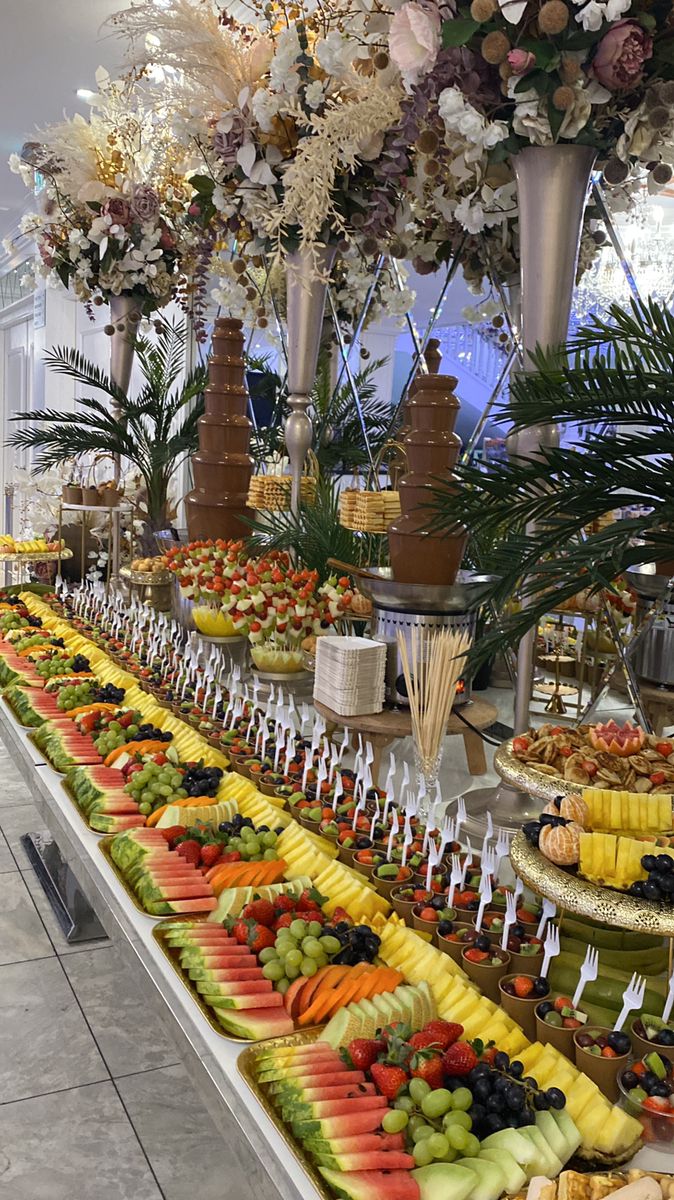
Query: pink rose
(144,203)
(118,210)
(521,61)
(414,39)
(621,54)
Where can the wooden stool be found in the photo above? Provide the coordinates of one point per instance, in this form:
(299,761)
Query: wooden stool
(380,729)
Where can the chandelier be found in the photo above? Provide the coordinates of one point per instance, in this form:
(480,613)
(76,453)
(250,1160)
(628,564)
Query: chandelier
(648,257)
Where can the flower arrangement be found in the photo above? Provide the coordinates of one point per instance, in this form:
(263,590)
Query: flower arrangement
(494,76)
(113,201)
(265,599)
(287,113)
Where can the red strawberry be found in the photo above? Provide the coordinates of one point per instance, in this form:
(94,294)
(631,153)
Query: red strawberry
(190,850)
(428,1066)
(284,921)
(260,937)
(656,1104)
(240,931)
(340,914)
(172,832)
(232,856)
(284,904)
(459,1059)
(424,1039)
(445,1033)
(476,956)
(261,911)
(361,1053)
(210,854)
(523,986)
(388,1079)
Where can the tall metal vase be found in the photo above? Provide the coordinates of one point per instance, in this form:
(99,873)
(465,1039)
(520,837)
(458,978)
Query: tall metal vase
(121,348)
(306,294)
(552,187)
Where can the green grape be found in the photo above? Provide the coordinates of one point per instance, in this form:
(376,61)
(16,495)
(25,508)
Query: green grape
(145,809)
(269,839)
(395,1121)
(406,1103)
(473,1147)
(273,970)
(298,928)
(421,1132)
(423,1155)
(438,1145)
(282,986)
(292,972)
(416,1122)
(314,929)
(460,1119)
(418,1088)
(462,1099)
(457,1137)
(267,955)
(437,1103)
(270,855)
(309,967)
(312,947)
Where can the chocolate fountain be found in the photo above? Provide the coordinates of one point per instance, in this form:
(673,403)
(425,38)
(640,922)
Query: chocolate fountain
(222,465)
(431,448)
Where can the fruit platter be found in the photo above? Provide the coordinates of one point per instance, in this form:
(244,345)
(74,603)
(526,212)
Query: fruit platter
(554,760)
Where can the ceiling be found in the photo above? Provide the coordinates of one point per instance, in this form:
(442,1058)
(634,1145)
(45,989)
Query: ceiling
(48,49)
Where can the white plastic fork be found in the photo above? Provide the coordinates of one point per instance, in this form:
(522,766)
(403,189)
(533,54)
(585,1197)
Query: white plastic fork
(588,973)
(510,918)
(669,1002)
(454,879)
(467,862)
(551,948)
(485,886)
(461,814)
(501,851)
(633,997)
(549,910)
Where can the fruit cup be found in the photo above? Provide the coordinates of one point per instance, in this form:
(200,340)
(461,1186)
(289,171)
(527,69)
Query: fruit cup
(528,916)
(486,968)
(455,941)
(529,957)
(647,1025)
(427,918)
(519,995)
(554,1030)
(404,898)
(365,861)
(589,1046)
(389,876)
(642,1086)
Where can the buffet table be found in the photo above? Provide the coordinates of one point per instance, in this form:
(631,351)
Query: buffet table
(259,1150)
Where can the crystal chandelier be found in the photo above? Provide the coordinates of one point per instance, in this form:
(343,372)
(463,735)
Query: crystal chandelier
(648,247)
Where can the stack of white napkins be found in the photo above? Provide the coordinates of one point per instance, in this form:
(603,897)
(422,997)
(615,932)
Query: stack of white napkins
(350,675)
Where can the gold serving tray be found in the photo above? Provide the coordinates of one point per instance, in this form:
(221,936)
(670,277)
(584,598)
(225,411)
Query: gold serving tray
(513,771)
(246,1064)
(585,899)
(104,846)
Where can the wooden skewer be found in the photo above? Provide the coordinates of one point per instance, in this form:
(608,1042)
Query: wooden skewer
(431,665)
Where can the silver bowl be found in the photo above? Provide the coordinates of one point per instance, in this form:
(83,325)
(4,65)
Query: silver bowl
(383,590)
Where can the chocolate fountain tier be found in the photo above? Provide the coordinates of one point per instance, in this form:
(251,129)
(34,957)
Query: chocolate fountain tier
(222,467)
(432,448)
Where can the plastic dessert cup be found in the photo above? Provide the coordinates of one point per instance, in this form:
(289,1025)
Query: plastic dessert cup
(521,1008)
(658,1127)
(602,1071)
(486,974)
(643,1046)
(384,885)
(556,1035)
(400,905)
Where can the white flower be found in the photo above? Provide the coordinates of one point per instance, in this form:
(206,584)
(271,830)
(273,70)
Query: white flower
(591,16)
(265,107)
(577,117)
(283,75)
(335,53)
(313,94)
(414,39)
(470,215)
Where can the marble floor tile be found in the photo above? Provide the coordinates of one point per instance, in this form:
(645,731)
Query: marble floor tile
(14,789)
(22,934)
(7,862)
(74,1145)
(179,1137)
(45,1044)
(14,822)
(52,926)
(127,1033)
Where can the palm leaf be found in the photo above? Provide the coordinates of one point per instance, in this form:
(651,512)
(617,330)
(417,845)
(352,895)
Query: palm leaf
(313,536)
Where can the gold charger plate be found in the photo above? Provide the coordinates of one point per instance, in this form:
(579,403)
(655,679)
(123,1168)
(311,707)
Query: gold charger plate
(585,899)
(104,846)
(513,771)
(246,1064)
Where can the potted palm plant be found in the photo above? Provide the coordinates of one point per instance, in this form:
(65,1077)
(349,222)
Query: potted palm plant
(536,512)
(153,431)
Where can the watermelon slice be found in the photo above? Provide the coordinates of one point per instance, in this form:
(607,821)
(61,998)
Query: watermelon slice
(342,1124)
(372,1185)
(373,1160)
(255,1024)
(31,706)
(356,1145)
